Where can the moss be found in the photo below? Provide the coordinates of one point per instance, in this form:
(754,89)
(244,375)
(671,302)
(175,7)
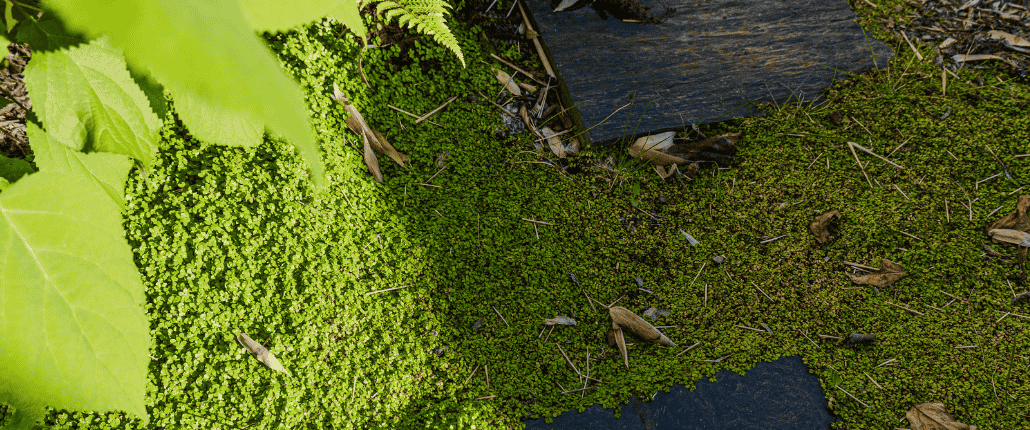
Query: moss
(234,240)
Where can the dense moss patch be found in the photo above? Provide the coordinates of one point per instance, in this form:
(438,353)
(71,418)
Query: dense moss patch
(235,240)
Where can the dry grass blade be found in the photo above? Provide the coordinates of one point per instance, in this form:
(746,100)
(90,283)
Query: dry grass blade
(629,321)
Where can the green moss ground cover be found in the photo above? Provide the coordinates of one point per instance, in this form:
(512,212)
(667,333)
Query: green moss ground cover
(235,240)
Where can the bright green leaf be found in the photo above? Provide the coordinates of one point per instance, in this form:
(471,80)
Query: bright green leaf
(218,126)
(206,50)
(270,15)
(47,34)
(73,330)
(106,172)
(347,13)
(86,99)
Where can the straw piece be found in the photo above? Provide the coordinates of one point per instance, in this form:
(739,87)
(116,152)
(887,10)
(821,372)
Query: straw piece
(849,394)
(760,289)
(388,289)
(874,154)
(502,316)
(688,349)
(570,361)
(518,69)
(470,375)
(871,379)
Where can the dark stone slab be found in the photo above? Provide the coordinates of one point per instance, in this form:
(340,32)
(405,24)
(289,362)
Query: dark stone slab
(701,61)
(780,395)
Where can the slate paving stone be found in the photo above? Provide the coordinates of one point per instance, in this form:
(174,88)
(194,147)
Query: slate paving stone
(778,395)
(701,61)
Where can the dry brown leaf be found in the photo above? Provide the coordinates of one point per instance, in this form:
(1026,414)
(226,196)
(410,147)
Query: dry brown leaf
(371,161)
(630,322)
(933,416)
(1011,38)
(508,82)
(652,148)
(1015,220)
(384,146)
(263,354)
(529,124)
(621,341)
(887,274)
(1013,237)
(573,145)
(554,142)
(959,58)
(822,225)
(337,94)
(530,88)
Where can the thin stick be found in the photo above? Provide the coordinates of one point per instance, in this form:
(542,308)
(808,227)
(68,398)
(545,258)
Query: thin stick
(813,161)
(403,111)
(899,147)
(486,397)
(995,210)
(907,309)
(503,110)
(518,69)
(388,289)
(871,379)
(886,362)
(902,192)
(956,298)
(437,173)
(1015,190)
(502,316)
(487,370)
(535,221)
(863,126)
(549,333)
(909,235)
(986,179)
(859,165)
(567,359)
(688,349)
(965,346)
(706,294)
(946,211)
(1015,315)
(435,110)
(826,336)
(910,45)
(809,339)
(578,389)
(763,291)
(589,300)
(874,154)
(698,274)
(849,394)
(952,155)
(749,328)
(860,266)
(470,375)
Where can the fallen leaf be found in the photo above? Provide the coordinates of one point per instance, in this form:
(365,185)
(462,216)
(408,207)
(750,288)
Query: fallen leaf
(528,87)
(573,145)
(1010,38)
(652,148)
(959,58)
(262,353)
(1021,297)
(882,277)
(822,225)
(933,416)
(1015,220)
(621,341)
(554,142)
(565,4)
(508,82)
(381,145)
(1014,237)
(371,161)
(356,123)
(560,320)
(629,321)
(337,94)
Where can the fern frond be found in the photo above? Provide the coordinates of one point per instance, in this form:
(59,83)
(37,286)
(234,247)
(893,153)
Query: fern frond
(426,17)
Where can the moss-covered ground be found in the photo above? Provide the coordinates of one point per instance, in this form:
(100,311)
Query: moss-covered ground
(233,240)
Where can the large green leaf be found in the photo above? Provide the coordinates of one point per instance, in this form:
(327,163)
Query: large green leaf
(206,50)
(13,168)
(347,13)
(86,99)
(270,15)
(218,126)
(106,172)
(73,329)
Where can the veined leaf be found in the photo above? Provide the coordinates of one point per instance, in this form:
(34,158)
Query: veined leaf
(86,99)
(73,330)
(46,33)
(218,126)
(106,172)
(206,50)
(346,12)
(270,15)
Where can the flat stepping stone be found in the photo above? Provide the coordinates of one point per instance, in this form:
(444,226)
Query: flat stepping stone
(702,61)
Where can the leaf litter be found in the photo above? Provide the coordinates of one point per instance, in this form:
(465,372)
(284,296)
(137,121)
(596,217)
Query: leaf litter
(263,354)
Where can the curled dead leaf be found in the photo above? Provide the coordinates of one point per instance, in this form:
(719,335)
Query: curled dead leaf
(371,161)
(887,274)
(823,224)
(933,416)
(508,82)
(554,142)
(620,340)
